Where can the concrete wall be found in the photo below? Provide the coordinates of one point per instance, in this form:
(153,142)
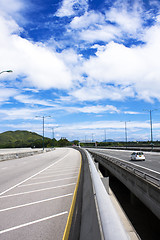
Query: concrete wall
(20,154)
(147,192)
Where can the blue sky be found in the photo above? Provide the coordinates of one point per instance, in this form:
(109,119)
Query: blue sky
(91,65)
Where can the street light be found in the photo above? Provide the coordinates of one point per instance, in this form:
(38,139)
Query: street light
(150,113)
(43,117)
(125,128)
(53,135)
(8,71)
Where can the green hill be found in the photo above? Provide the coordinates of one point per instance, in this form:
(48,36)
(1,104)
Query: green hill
(15,139)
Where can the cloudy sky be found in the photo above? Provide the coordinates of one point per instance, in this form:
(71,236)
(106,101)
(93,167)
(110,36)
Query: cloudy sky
(91,65)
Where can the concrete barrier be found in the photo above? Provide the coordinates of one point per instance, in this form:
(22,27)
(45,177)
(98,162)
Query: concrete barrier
(21,154)
(144,189)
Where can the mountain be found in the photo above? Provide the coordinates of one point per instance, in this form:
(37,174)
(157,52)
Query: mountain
(19,138)
(109,140)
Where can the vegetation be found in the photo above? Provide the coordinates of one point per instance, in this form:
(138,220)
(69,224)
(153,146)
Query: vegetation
(21,139)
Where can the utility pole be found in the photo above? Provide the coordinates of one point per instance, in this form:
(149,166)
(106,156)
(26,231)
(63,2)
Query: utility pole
(150,114)
(43,117)
(125,129)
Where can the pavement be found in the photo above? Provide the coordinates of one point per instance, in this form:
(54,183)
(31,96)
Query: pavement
(36,194)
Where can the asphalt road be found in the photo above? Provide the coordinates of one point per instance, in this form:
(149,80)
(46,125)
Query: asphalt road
(36,194)
(152,161)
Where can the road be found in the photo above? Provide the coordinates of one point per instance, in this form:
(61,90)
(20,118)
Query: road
(36,194)
(152,161)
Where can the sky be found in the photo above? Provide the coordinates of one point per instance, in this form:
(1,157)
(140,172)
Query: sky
(87,66)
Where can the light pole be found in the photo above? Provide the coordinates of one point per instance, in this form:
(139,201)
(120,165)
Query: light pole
(104,135)
(125,128)
(150,114)
(43,117)
(53,135)
(7,71)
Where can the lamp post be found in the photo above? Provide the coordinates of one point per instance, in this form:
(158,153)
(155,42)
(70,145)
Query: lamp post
(125,129)
(7,71)
(104,135)
(43,117)
(53,135)
(150,114)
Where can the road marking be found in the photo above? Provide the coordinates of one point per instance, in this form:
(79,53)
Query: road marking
(55,175)
(56,180)
(70,215)
(33,222)
(129,162)
(32,203)
(66,168)
(39,190)
(60,171)
(33,175)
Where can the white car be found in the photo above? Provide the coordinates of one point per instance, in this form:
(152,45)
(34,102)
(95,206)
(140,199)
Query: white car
(138,156)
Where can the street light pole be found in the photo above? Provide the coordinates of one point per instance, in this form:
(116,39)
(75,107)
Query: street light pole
(7,71)
(125,128)
(43,126)
(151,125)
(150,114)
(126,133)
(43,132)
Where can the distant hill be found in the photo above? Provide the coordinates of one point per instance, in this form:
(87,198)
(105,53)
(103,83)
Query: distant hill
(19,138)
(109,140)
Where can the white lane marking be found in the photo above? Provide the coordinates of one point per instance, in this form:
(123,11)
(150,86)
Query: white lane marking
(131,163)
(64,171)
(32,203)
(30,184)
(4,168)
(57,168)
(38,190)
(33,175)
(33,222)
(55,175)
(65,168)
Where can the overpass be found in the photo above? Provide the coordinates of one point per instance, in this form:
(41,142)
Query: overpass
(88,217)
(144,183)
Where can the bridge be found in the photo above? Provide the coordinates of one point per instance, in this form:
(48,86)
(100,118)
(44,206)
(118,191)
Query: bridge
(61,194)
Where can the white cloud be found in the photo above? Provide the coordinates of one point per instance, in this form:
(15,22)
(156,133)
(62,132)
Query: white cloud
(116,72)
(20,113)
(93,109)
(95,92)
(129,20)
(101,33)
(87,20)
(6,94)
(32,101)
(12,7)
(39,66)
(135,69)
(72,7)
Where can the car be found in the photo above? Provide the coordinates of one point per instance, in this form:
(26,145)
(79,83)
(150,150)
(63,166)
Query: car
(138,156)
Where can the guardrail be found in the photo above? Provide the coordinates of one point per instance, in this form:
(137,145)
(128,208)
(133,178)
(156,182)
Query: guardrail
(110,222)
(94,217)
(141,183)
(129,167)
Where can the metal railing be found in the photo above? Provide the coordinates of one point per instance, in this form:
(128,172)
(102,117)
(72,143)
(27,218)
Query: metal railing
(129,167)
(110,222)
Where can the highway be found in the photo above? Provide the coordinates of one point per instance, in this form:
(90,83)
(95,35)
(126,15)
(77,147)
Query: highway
(152,161)
(36,194)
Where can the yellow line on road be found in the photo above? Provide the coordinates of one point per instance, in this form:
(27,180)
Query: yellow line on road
(69,220)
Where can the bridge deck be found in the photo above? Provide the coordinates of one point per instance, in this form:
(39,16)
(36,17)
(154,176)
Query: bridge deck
(36,194)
